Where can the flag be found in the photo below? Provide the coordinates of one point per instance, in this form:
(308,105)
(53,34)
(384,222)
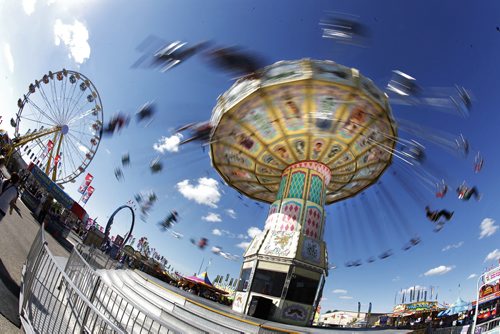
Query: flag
(48,148)
(85,183)
(359,308)
(56,160)
(231,282)
(425,295)
(88,193)
(227,277)
(418,295)
(369,308)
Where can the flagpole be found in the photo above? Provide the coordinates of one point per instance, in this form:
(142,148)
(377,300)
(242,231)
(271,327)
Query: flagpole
(201,265)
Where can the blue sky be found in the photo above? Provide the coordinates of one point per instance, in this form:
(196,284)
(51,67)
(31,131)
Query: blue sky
(440,44)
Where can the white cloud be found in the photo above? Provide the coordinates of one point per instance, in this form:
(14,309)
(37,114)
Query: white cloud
(75,36)
(244,245)
(341,291)
(168,144)
(471,276)
(395,279)
(345,297)
(253,232)
(216,231)
(206,192)
(487,227)
(231,213)
(212,217)
(457,245)
(229,256)
(216,250)
(29,6)
(441,270)
(494,255)
(7,53)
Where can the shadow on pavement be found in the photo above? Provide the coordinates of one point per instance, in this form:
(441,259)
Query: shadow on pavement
(9,296)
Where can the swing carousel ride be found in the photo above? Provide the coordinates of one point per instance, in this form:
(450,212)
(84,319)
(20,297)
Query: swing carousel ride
(304,134)
(299,136)
(321,115)
(58,126)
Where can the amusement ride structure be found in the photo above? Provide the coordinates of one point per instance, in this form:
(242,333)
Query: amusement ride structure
(58,126)
(298,135)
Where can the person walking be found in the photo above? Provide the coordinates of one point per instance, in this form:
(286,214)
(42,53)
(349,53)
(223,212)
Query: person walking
(45,207)
(8,194)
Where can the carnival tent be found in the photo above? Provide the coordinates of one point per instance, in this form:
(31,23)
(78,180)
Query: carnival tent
(204,281)
(457,307)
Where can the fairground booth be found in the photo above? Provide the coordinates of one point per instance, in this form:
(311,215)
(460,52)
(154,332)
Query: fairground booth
(202,286)
(414,314)
(64,212)
(489,297)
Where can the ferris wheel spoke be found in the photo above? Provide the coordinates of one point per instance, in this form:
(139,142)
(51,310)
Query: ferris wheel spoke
(40,110)
(82,133)
(71,156)
(69,113)
(78,117)
(78,112)
(68,159)
(53,92)
(63,96)
(77,149)
(68,163)
(34,120)
(80,143)
(71,98)
(46,101)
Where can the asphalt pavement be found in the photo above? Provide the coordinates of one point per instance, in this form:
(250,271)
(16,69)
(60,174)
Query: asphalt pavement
(17,232)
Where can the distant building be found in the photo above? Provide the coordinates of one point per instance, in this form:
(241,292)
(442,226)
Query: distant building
(339,318)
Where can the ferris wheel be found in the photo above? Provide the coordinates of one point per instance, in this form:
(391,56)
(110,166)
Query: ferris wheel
(59,124)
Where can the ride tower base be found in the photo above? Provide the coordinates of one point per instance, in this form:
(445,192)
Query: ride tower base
(284,267)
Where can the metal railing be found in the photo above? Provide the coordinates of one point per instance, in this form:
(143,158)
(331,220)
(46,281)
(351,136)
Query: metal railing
(96,258)
(490,325)
(119,309)
(76,300)
(48,298)
(453,330)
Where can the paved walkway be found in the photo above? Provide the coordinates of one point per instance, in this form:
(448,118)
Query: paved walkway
(17,232)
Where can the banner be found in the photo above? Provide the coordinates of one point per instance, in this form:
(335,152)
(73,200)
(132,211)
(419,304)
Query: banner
(90,223)
(85,183)
(56,160)
(48,148)
(88,193)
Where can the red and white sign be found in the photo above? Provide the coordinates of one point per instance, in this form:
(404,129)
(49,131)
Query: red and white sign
(88,193)
(83,187)
(492,276)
